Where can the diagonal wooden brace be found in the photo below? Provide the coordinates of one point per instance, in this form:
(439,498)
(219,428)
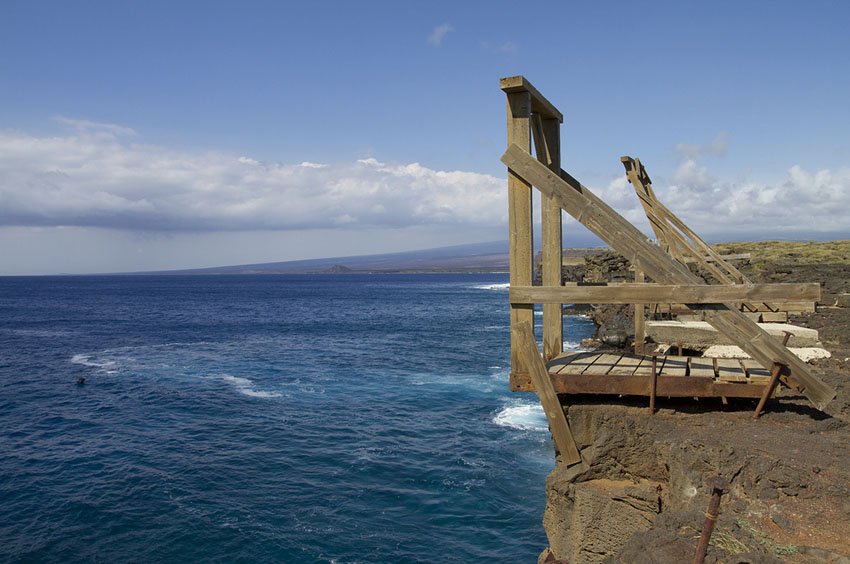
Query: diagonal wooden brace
(546,392)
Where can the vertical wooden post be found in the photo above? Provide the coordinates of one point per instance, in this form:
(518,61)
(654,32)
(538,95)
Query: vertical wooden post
(520,238)
(547,141)
(640,325)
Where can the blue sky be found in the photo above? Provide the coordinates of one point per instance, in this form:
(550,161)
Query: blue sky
(148,135)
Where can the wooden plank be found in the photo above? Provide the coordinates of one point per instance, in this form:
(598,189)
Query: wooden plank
(623,237)
(539,103)
(778,305)
(675,366)
(729,370)
(756,374)
(580,363)
(640,293)
(774,316)
(603,364)
(645,368)
(639,315)
(558,425)
(701,367)
(547,144)
(557,363)
(520,242)
(627,365)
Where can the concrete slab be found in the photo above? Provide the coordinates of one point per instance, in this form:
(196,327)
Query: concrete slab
(806,354)
(700,334)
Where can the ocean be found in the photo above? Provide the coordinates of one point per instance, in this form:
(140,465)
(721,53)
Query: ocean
(269,418)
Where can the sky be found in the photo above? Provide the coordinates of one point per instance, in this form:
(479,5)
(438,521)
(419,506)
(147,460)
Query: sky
(149,135)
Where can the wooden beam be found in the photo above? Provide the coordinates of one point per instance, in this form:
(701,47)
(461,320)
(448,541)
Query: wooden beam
(539,104)
(640,385)
(639,315)
(547,145)
(520,233)
(640,293)
(626,239)
(524,335)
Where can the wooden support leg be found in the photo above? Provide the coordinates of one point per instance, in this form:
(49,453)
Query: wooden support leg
(653,385)
(561,434)
(768,391)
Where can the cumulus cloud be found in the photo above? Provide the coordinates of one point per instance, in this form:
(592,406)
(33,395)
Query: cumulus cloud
(96,178)
(435,39)
(803,202)
(100,177)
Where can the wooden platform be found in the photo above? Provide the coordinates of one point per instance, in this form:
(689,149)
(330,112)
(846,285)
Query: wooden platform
(629,374)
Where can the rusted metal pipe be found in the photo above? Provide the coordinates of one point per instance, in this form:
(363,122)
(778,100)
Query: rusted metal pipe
(653,385)
(719,485)
(768,391)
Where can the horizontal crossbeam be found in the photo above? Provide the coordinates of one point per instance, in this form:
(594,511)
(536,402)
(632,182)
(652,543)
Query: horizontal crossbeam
(539,104)
(628,293)
(666,386)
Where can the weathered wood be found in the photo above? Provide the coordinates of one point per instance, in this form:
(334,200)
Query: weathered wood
(524,335)
(674,366)
(700,368)
(639,315)
(547,144)
(520,242)
(687,241)
(638,385)
(653,363)
(627,365)
(539,104)
(729,370)
(580,363)
(637,293)
(623,237)
(603,364)
(778,305)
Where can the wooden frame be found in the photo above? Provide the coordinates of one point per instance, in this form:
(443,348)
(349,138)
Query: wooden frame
(527,110)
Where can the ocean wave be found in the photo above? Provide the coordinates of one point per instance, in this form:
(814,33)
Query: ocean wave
(573,346)
(87,360)
(524,417)
(504,286)
(245,386)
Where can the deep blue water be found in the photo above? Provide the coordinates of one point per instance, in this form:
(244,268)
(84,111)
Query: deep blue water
(332,418)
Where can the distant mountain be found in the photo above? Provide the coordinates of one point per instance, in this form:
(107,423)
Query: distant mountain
(476,257)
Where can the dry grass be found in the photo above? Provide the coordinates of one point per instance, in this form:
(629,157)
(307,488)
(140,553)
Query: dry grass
(790,252)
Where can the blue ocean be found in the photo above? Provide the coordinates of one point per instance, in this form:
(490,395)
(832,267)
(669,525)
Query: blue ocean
(274,418)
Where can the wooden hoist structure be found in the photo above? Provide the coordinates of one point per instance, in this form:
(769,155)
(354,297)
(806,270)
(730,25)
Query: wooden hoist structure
(724,301)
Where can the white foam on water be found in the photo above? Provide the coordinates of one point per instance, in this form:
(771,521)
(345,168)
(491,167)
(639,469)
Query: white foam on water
(87,360)
(245,386)
(522,416)
(573,346)
(505,286)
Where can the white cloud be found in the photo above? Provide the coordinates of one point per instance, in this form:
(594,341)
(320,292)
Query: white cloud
(717,146)
(439,33)
(104,181)
(802,204)
(86,127)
